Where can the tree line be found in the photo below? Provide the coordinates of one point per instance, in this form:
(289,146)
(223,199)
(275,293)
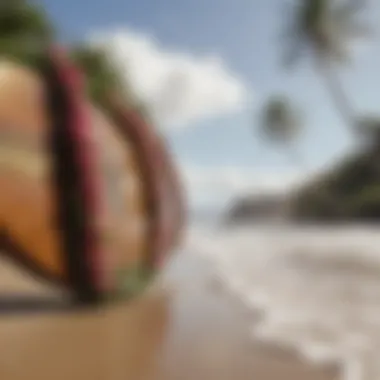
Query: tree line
(322,32)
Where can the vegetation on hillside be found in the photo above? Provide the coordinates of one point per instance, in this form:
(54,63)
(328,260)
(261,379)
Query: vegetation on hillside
(322,30)
(349,191)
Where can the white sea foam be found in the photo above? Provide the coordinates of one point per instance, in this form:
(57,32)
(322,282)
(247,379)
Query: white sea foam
(318,288)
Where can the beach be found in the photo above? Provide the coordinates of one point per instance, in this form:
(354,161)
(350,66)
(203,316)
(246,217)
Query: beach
(189,328)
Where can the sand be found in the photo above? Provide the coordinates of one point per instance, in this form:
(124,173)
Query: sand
(194,330)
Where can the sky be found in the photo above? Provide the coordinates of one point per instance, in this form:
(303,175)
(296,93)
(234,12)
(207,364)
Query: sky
(205,67)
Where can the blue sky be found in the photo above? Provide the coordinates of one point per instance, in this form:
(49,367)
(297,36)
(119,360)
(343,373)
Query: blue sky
(245,35)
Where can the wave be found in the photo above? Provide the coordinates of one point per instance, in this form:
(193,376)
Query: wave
(317,288)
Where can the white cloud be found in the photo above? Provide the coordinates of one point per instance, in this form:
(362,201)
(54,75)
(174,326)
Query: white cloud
(179,88)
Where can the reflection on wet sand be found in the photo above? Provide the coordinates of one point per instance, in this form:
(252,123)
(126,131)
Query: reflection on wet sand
(119,342)
(195,332)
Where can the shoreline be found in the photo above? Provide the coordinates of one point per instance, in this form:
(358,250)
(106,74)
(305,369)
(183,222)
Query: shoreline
(192,330)
(218,339)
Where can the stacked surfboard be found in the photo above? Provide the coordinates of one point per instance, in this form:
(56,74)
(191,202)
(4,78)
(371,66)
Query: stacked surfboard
(89,199)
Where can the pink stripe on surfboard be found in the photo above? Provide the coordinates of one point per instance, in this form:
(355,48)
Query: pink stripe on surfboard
(80,126)
(159,181)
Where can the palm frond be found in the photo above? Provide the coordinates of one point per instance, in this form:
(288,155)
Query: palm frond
(348,22)
(326,27)
(280,121)
(352,7)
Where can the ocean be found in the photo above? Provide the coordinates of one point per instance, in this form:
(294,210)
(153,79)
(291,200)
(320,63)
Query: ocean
(317,289)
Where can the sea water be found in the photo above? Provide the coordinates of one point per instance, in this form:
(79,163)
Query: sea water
(318,288)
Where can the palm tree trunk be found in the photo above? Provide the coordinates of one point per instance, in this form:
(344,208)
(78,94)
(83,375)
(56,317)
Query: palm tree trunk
(337,93)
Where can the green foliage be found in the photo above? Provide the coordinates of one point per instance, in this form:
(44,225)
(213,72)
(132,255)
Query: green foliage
(25,31)
(102,76)
(349,191)
(366,204)
(280,124)
(323,27)
(279,120)
(316,205)
(323,31)
(22,19)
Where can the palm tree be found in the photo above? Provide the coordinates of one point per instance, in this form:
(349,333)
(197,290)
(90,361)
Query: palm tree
(280,123)
(323,29)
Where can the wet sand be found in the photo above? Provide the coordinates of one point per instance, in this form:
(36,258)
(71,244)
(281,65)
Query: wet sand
(194,330)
